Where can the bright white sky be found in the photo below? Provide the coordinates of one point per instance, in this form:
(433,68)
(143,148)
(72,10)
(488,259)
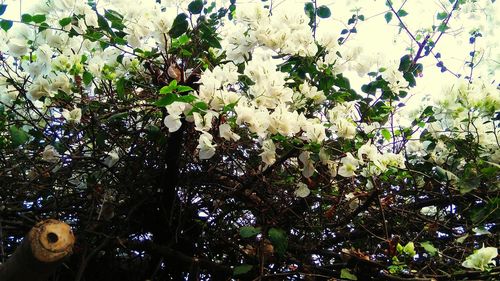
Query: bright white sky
(382,40)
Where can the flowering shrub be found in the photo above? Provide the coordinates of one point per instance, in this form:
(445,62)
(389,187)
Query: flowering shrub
(195,140)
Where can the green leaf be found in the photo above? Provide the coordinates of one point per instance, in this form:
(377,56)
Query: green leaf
(87,77)
(242,269)
(166,100)
(195,7)
(402,13)
(279,240)
(3,7)
(120,88)
(43,26)
(186,98)
(442,15)
(386,134)
(249,231)
(182,89)
(26,18)
(345,273)
(409,249)
(65,21)
(113,15)
(179,26)
(442,27)
(309,9)
(38,18)
(323,12)
(5,24)
(429,248)
(388,17)
(169,88)
(18,136)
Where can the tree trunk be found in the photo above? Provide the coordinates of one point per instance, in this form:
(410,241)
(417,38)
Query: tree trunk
(40,253)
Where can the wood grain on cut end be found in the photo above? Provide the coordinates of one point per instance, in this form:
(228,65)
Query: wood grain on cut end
(51,240)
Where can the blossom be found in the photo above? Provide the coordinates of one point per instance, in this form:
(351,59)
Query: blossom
(269,154)
(173,122)
(50,154)
(17,47)
(395,79)
(205,145)
(39,88)
(226,133)
(73,116)
(308,169)
(349,166)
(345,129)
(481,259)
(112,157)
(302,190)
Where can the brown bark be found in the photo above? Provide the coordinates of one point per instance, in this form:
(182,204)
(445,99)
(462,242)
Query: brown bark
(40,253)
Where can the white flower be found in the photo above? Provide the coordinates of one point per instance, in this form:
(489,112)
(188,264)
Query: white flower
(395,78)
(349,166)
(269,154)
(369,150)
(173,122)
(73,116)
(17,47)
(429,211)
(481,258)
(39,88)
(345,129)
(315,132)
(207,148)
(308,169)
(226,133)
(50,154)
(302,190)
(112,158)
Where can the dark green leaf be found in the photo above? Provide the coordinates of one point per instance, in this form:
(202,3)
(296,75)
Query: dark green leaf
(5,24)
(26,18)
(43,26)
(38,18)
(65,21)
(309,9)
(87,77)
(18,136)
(323,12)
(388,17)
(120,88)
(186,98)
(166,100)
(249,231)
(179,26)
(242,269)
(104,25)
(113,15)
(402,13)
(279,240)
(404,63)
(195,7)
